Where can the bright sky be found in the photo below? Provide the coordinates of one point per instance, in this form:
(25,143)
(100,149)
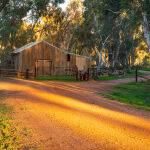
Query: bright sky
(65,4)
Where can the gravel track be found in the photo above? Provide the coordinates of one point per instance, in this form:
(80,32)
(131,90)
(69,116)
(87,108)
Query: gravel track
(72,116)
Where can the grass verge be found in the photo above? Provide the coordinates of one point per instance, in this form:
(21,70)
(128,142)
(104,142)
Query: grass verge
(146,69)
(9,139)
(57,78)
(117,77)
(136,94)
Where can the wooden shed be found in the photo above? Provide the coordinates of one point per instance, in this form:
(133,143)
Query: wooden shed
(44,59)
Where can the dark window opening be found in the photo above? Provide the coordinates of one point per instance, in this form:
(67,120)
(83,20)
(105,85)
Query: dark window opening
(9,62)
(68,57)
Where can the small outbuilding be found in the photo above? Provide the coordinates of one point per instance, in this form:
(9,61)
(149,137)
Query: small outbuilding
(44,59)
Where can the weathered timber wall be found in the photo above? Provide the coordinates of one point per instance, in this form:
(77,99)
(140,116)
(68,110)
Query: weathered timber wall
(44,59)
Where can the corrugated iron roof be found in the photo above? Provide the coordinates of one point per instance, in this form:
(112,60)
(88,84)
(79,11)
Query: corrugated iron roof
(25,47)
(19,50)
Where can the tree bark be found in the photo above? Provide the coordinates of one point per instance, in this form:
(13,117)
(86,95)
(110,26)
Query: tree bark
(146,30)
(116,57)
(3,4)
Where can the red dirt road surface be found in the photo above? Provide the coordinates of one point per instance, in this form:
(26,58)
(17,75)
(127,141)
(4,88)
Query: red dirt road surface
(72,116)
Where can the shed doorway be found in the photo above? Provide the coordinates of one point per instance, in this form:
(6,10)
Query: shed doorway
(43,67)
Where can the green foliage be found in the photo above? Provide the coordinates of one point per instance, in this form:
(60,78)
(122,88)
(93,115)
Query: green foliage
(13,13)
(60,28)
(112,25)
(57,78)
(136,94)
(9,138)
(146,69)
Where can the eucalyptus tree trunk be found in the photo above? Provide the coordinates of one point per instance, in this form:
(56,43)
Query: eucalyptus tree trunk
(115,59)
(146,30)
(100,63)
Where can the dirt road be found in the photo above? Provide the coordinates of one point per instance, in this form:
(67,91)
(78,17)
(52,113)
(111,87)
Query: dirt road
(72,116)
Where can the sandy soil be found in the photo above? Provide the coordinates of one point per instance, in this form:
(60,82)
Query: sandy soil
(72,116)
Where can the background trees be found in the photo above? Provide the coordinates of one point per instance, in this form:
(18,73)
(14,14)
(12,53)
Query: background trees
(59,27)
(110,31)
(18,19)
(118,28)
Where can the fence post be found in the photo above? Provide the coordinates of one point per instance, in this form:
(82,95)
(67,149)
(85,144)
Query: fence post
(136,74)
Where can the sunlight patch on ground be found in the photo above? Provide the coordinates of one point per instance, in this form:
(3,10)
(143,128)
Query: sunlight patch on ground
(99,124)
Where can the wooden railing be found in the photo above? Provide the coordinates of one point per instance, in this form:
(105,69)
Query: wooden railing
(8,73)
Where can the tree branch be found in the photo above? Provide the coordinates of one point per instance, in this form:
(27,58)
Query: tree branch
(115,12)
(3,4)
